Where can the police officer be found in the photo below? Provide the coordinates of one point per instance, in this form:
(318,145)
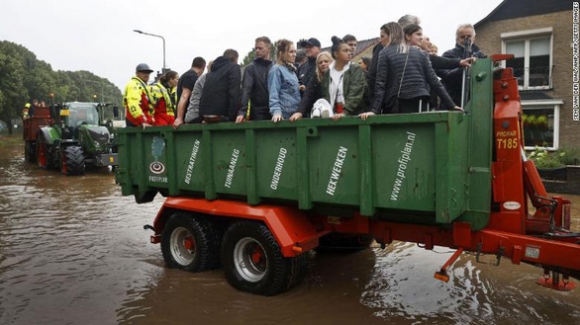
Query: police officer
(137,99)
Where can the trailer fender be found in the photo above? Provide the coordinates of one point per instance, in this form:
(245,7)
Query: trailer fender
(292,229)
(47,135)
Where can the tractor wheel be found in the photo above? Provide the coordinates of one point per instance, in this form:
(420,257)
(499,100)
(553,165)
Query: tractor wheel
(254,263)
(72,161)
(190,243)
(343,243)
(42,155)
(30,151)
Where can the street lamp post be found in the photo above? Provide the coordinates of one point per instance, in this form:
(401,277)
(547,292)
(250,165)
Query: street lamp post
(155,35)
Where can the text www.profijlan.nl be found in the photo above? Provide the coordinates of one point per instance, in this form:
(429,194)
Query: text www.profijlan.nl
(403,161)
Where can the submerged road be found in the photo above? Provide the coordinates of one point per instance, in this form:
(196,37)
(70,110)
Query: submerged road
(73,251)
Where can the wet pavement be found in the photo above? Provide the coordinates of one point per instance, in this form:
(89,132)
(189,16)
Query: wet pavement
(73,251)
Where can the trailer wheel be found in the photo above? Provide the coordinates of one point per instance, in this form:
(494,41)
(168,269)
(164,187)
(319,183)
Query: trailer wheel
(190,243)
(254,263)
(30,152)
(72,161)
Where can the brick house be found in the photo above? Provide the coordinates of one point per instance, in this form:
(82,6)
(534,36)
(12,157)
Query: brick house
(539,34)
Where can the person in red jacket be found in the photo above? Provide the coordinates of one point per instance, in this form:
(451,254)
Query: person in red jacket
(161,98)
(137,100)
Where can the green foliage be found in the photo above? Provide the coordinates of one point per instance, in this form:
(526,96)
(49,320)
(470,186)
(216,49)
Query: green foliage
(12,88)
(569,156)
(249,58)
(25,78)
(544,159)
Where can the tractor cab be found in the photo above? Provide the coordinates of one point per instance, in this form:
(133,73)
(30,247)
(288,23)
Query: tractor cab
(82,113)
(71,116)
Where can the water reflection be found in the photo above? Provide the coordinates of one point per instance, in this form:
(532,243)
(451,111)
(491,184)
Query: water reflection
(73,251)
(329,294)
(476,293)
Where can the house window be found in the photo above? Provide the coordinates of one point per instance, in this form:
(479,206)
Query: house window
(532,62)
(541,120)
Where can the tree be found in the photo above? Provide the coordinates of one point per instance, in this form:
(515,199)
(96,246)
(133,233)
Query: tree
(249,58)
(12,91)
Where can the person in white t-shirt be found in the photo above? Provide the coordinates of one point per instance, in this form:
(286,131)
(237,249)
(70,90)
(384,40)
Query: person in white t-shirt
(344,84)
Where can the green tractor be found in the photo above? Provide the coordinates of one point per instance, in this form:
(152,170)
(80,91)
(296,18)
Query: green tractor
(77,138)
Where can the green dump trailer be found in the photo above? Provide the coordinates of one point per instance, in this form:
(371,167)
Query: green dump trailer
(256,196)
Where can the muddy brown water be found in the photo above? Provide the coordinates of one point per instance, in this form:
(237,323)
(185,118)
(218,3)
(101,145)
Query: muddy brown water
(73,251)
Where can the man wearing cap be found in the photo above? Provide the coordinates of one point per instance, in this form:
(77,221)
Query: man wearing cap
(306,71)
(137,101)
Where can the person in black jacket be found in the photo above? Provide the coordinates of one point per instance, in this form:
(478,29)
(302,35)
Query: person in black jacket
(220,98)
(384,41)
(404,78)
(452,77)
(414,37)
(255,84)
(306,70)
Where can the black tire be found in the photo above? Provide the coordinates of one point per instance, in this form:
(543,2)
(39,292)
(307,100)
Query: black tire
(343,243)
(30,151)
(72,161)
(254,263)
(202,236)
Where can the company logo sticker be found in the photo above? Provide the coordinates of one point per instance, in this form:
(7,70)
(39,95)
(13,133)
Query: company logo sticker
(511,205)
(157,147)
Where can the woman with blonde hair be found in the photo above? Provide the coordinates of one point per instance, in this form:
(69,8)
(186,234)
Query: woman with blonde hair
(283,83)
(314,91)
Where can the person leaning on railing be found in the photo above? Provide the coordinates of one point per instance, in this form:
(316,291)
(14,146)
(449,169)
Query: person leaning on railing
(343,84)
(161,98)
(452,78)
(283,83)
(404,77)
(314,90)
(137,100)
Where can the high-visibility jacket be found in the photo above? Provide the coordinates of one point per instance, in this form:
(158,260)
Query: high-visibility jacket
(137,102)
(174,100)
(164,108)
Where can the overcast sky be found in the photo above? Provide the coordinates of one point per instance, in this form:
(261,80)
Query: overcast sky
(97,35)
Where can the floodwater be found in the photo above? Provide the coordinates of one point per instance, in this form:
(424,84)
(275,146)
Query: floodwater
(73,251)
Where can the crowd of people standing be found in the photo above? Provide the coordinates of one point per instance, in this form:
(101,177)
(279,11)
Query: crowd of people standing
(404,75)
